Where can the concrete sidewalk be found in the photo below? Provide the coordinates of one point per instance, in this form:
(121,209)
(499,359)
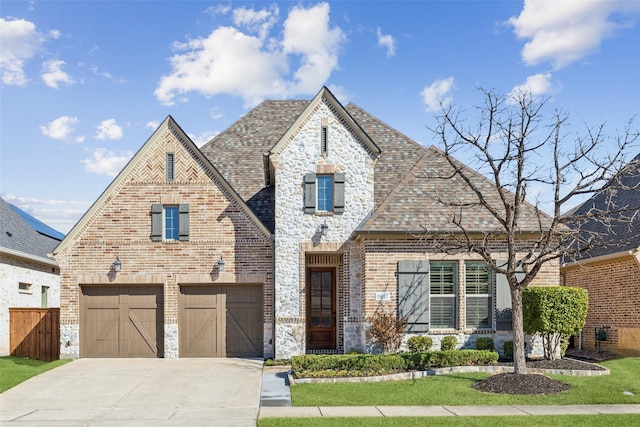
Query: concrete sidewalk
(444,411)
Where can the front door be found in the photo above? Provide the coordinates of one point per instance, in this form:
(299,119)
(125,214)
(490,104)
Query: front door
(321,309)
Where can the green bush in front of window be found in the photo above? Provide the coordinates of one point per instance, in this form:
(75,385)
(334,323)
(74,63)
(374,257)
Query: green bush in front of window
(419,343)
(448,343)
(485,343)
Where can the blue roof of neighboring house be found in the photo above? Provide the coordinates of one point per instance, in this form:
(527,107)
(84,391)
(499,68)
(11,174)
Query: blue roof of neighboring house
(38,225)
(23,233)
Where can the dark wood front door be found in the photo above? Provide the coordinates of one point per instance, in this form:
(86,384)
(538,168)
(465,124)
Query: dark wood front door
(321,309)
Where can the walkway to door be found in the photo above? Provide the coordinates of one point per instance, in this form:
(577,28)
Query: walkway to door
(154,392)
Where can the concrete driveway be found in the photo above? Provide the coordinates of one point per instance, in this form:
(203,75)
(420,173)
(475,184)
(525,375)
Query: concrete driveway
(138,392)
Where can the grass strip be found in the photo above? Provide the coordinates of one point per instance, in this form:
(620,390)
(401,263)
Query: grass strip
(14,370)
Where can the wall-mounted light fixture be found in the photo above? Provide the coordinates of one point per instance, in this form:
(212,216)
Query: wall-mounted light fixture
(220,264)
(117,265)
(324,227)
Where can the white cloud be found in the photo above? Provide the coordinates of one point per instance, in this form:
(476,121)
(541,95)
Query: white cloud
(259,22)
(105,162)
(20,42)
(386,41)
(61,215)
(437,94)
(153,124)
(203,138)
(60,128)
(52,74)
(536,85)
(254,67)
(562,32)
(109,129)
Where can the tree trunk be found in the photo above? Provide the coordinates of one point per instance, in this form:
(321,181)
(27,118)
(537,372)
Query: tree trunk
(519,362)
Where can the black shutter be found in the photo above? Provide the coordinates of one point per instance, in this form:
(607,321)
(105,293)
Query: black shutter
(413,294)
(310,193)
(156,222)
(183,221)
(338,193)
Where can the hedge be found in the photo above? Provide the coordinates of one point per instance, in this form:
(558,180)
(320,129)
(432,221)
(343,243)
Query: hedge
(358,365)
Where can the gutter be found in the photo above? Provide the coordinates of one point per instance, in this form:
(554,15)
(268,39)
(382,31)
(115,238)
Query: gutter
(633,252)
(29,257)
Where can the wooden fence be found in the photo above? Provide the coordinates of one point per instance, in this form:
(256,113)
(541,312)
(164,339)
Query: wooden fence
(35,333)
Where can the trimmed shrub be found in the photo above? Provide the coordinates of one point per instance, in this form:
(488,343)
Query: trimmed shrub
(485,343)
(507,348)
(418,344)
(554,312)
(444,359)
(345,365)
(360,365)
(448,343)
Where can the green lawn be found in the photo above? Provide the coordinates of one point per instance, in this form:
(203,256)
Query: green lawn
(455,389)
(14,370)
(556,420)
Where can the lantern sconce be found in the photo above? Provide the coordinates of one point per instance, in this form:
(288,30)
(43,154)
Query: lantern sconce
(324,227)
(220,265)
(117,265)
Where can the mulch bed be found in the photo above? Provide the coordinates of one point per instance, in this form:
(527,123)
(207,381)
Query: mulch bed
(534,383)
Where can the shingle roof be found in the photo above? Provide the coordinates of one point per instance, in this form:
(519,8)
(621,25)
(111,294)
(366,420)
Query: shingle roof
(623,193)
(403,198)
(237,153)
(23,233)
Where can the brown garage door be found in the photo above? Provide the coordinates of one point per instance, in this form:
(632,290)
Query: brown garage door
(121,321)
(221,321)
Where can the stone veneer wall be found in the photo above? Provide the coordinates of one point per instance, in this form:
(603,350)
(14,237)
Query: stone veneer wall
(122,226)
(14,270)
(297,232)
(614,301)
(380,260)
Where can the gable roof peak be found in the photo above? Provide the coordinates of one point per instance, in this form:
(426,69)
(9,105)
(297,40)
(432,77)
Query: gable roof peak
(325,95)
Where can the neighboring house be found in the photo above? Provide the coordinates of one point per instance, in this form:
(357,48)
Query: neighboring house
(28,276)
(281,236)
(611,273)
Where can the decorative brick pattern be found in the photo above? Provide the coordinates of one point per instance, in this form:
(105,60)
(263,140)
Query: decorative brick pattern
(122,226)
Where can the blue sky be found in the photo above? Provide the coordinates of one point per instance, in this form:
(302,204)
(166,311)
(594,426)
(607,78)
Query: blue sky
(83,84)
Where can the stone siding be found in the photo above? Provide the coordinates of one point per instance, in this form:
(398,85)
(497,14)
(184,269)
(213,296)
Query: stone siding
(614,298)
(297,233)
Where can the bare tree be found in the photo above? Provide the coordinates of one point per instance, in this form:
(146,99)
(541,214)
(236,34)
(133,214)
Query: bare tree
(537,170)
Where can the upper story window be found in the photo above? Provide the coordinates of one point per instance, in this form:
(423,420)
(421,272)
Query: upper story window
(170,167)
(324,193)
(169,222)
(24,288)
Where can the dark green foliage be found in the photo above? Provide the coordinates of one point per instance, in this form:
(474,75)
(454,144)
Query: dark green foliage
(443,359)
(419,343)
(347,365)
(448,343)
(507,347)
(485,343)
(554,312)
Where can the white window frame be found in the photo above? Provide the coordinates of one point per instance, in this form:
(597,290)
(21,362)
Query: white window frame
(330,178)
(25,288)
(164,222)
(488,296)
(441,297)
